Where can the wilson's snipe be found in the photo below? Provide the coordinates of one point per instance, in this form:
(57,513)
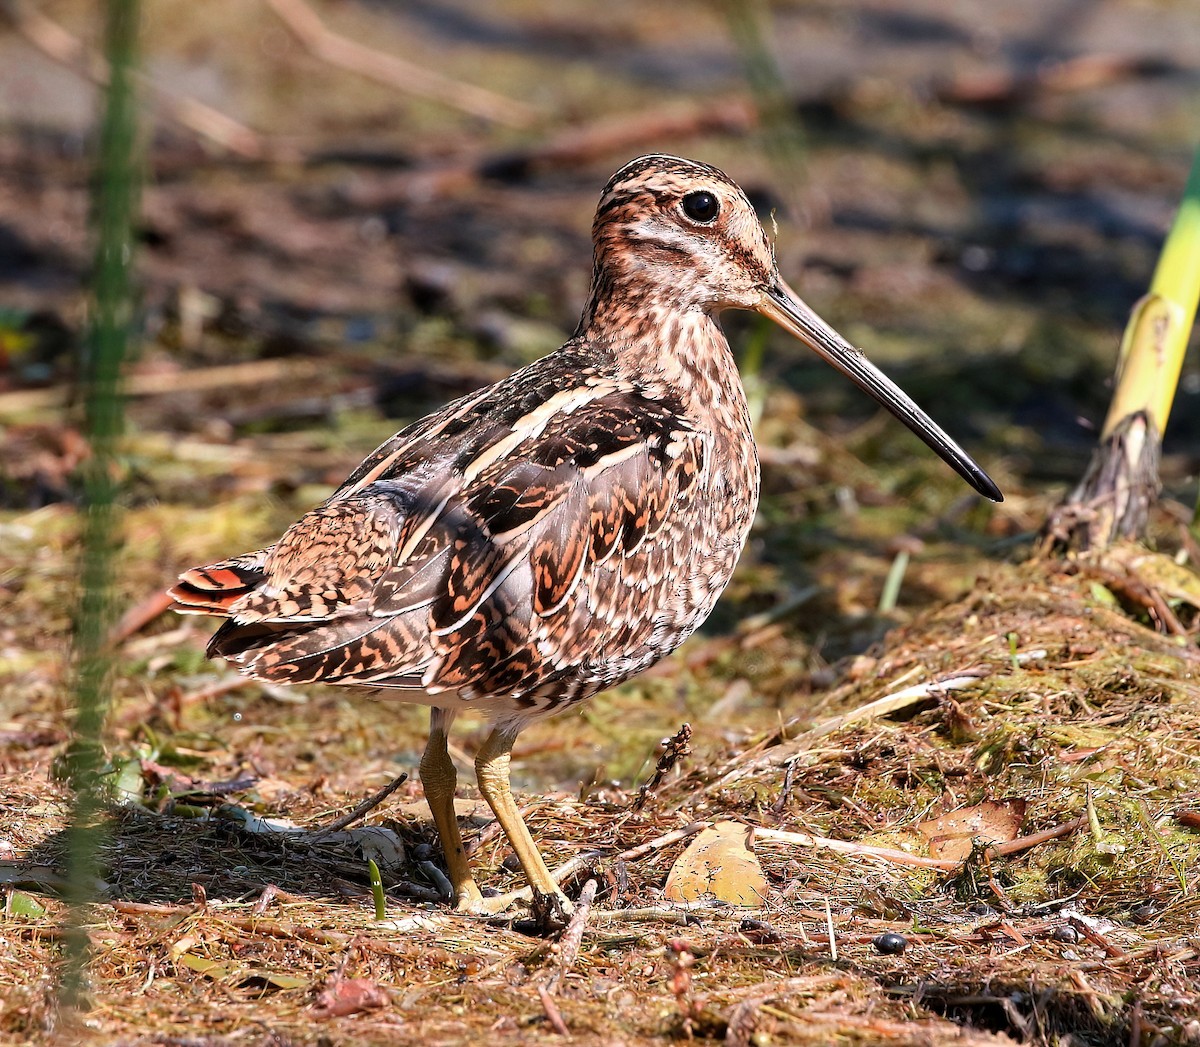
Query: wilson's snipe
(542,539)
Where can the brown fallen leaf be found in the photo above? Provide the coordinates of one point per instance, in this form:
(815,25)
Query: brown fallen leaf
(720,863)
(953,835)
(343,996)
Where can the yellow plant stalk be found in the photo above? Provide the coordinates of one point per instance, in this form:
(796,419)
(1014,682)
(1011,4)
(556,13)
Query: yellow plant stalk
(1121,482)
(1156,338)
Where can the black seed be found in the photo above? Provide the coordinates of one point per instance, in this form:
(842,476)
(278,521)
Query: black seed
(890,943)
(1065,933)
(701,206)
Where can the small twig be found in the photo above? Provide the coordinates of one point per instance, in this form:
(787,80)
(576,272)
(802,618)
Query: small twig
(264,900)
(756,623)
(1096,938)
(1008,929)
(268,895)
(830,931)
(675,750)
(254,372)
(659,842)
(485,836)
(565,873)
(553,1015)
(151,908)
(678,914)
(1136,591)
(902,699)
(1135,1025)
(861,850)
(624,134)
(898,857)
(742,1021)
(744,1016)
(1150,952)
(139,616)
(393,71)
(290,931)
(368,804)
(216,689)
(572,937)
(1024,843)
(1000,893)
(1089,993)
(789,776)
(193,789)
(1082,73)
(885,706)
(437,924)
(626,131)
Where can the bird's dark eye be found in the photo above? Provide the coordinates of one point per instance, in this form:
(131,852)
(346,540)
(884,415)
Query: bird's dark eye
(701,207)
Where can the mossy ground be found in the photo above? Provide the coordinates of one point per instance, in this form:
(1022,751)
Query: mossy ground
(986,257)
(1078,707)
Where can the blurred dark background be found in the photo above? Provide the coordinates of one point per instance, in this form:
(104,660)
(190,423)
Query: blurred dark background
(975,193)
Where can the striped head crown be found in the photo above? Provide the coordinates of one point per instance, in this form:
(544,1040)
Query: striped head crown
(681,230)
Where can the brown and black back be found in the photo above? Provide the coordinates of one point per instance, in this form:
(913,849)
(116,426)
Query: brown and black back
(505,549)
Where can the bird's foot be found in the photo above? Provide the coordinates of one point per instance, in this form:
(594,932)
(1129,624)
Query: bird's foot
(548,910)
(557,906)
(468,898)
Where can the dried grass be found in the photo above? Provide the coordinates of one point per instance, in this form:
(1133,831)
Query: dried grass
(1069,703)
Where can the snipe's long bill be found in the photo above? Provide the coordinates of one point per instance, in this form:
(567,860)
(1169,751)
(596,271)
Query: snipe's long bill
(534,542)
(784,306)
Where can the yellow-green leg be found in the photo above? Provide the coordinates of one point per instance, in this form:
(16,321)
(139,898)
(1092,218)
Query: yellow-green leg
(491,769)
(439,779)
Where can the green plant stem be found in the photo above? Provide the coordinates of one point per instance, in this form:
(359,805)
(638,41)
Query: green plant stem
(890,595)
(377,890)
(115,201)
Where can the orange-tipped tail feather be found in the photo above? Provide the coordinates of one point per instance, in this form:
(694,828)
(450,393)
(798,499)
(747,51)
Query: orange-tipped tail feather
(217,588)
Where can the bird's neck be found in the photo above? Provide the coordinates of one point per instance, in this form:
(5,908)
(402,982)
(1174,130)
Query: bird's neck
(662,345)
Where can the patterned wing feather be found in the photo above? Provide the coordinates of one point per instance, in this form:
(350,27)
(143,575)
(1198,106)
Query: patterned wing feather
(463,557)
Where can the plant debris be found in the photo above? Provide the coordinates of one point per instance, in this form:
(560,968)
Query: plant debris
(298,312)
(1098,735)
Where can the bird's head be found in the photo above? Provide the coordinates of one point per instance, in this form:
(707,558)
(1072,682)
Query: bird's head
(677,235)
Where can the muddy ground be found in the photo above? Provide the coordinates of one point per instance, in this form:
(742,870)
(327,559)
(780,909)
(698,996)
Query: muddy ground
(965,191)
